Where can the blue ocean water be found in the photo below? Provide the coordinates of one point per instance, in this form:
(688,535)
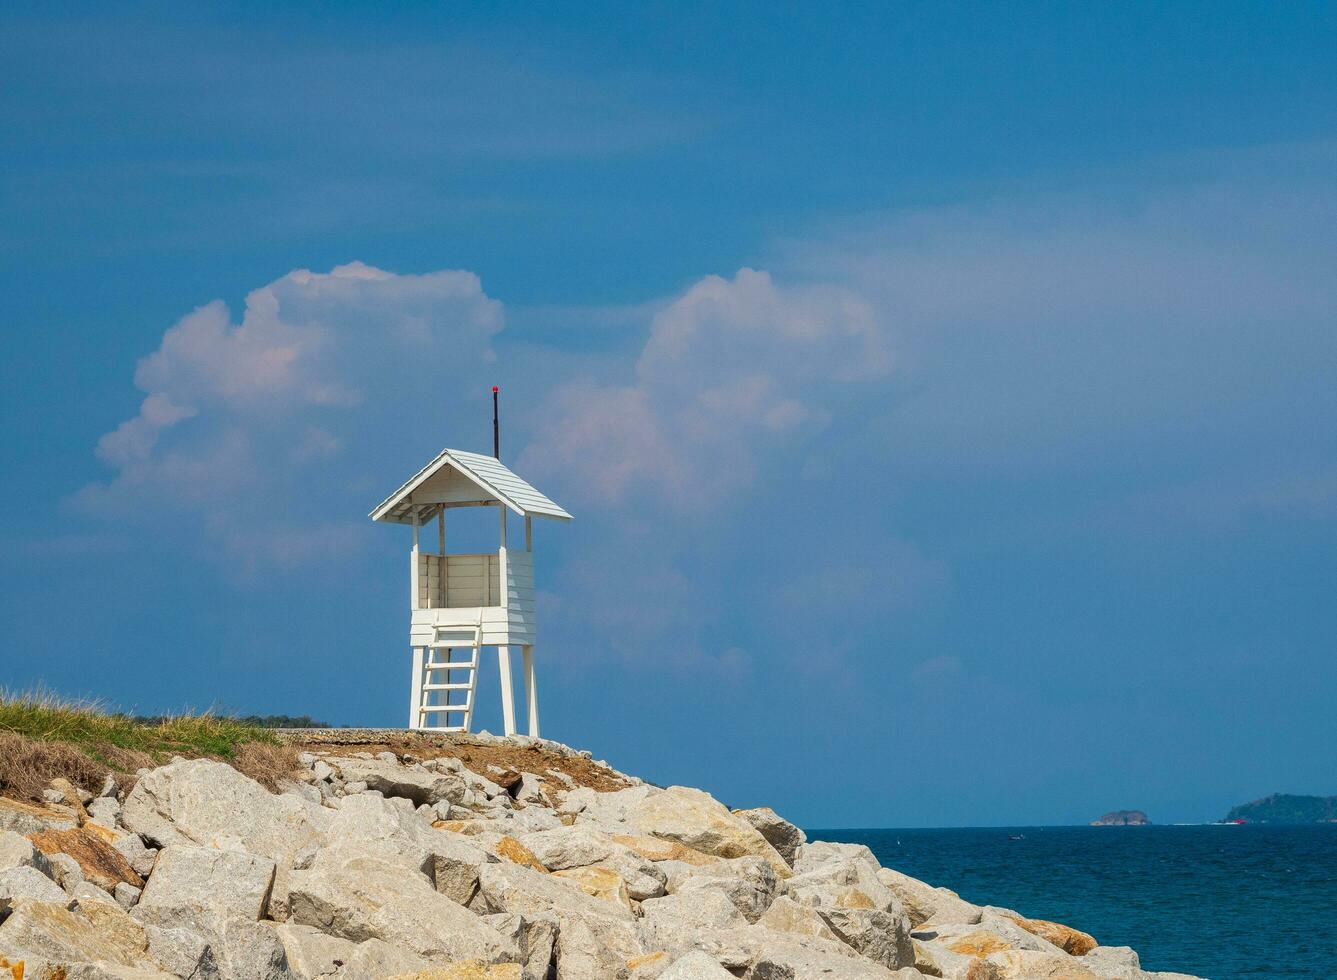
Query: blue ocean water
(1217,902)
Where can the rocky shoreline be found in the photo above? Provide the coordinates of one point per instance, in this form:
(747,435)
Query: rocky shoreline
(392,854)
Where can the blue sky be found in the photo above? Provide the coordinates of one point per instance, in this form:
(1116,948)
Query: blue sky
(943,393)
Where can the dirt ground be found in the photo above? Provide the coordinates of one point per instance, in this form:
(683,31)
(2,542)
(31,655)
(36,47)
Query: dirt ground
(476,754)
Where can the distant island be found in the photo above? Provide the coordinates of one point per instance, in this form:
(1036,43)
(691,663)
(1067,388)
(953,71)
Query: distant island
(1122,818)
(1286,808)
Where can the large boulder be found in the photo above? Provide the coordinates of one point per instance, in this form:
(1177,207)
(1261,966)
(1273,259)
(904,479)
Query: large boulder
(657,849)
(411,782)
(788,916)
(695,966)
(1114,963)
(505,887)
(757,952)
(55,941)
(750,883)
(779,832)
(17,851)
(568,847)
(924,903)
(194,887)
(670,921)
(28,818)
(358,897)
(377,828)
(251,951)
(534,936)
(850,882)
(883,937)
(375,959)
(312,954)
(186,952)
(701,822)
(26,883)
(1072,941)
(847,893)
(595,947)
(1029,964)
(99,861)
(198,801)
(598,882)
(992,934)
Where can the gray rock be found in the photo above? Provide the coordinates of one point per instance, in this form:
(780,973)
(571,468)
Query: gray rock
(24,818)
(643,879)
(94,941)
(883,937)
(409,782)
(141,858)
(782,835)
(924,903)
(993,925)
(375,959)
(184,952)
(17,851)
(568,847)
(126,895)
(1114,963)
(788,916)
(251,951)
(533,939)
(699,821)
(507,887)
(848,882)
(595,946)
(530,789)
(26,882)
(66,871)
(667,920)
(86,891)
(377,828)
(194,886)
(351,895)
(800,963)
(104,811)
(198,801)
(695,966)
(749,882)
(311,953)
(809,856)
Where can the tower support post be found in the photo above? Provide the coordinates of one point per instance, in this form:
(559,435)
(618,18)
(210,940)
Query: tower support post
(415,690)
(531,693)
(507,690)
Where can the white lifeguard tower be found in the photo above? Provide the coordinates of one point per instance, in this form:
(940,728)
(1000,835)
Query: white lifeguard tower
(465,602)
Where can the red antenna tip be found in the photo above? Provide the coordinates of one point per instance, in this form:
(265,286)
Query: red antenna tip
(495,389)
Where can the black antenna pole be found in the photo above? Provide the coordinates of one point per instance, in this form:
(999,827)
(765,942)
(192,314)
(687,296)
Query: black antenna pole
(496,426)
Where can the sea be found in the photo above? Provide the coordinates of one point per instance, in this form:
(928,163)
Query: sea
(1222,902)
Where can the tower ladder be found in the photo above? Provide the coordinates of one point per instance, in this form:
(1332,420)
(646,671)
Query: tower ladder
(440,686)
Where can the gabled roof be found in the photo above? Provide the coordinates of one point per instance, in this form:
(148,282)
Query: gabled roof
(465,478)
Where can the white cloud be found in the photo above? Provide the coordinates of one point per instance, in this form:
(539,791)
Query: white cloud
(242,421)
(730,369)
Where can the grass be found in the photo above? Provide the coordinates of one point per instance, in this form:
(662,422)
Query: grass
(43,736)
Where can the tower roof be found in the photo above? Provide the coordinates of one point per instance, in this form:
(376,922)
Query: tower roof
(459,479)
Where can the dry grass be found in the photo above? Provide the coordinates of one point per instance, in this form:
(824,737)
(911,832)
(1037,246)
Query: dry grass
(43,736)
(265,763)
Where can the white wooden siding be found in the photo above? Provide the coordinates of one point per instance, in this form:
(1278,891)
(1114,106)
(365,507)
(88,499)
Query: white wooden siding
(473,589)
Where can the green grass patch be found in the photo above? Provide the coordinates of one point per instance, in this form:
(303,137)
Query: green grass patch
(47,718)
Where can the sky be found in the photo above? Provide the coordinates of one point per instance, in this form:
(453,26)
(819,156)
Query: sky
(944,393)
